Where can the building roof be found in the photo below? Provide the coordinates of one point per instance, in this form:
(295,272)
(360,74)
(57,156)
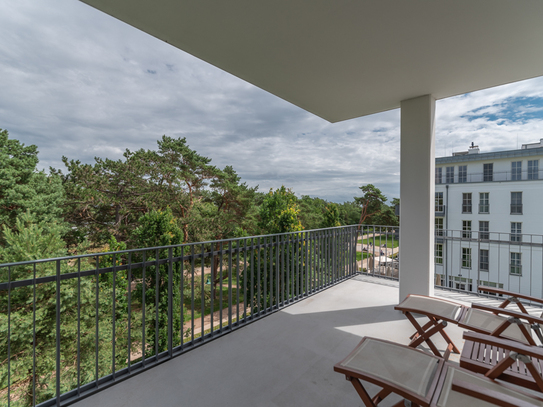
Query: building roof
(341,59)
(490,156)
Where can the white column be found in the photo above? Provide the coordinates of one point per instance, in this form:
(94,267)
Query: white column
(417,199)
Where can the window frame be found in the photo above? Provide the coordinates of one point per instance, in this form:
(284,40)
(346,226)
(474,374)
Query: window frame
(449,175)
(515,263)
(516,170)
(516,203)
(484,259)
(462,174)
(484,230)
(482,204)
(439,207)
(533,169)
(466,202)
(466,258)
(438,230)
(466,229)
(439,175)
(488,172)
(438,256)
(516,232)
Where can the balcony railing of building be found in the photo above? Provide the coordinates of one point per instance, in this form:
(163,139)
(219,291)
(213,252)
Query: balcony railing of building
(72,326)
(492,177)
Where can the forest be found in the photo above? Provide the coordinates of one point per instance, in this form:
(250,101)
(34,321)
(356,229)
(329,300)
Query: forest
(101,206)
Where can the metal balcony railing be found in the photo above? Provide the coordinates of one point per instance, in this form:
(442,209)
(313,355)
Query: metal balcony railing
(72,326)
(490,177)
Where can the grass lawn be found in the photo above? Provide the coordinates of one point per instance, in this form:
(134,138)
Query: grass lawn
(360,256)
(381,240)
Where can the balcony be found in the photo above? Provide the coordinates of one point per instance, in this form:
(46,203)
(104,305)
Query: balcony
(303,299)
(284,359)
(503,176)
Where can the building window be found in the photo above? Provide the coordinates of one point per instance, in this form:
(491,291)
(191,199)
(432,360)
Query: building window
(533,169)
(488,172)
(439,226)
(462,173)
(439,254)
(484,230)
(491,284)
(516,170)
(516,203)
(466,229)
(439,202)
(460,283)
(466,202)
(449,176)
(516,231)
(466,257)
(439,175)
(516,265)
(483,260)
(484,205)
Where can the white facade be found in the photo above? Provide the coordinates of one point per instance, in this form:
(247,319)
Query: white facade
(490,207)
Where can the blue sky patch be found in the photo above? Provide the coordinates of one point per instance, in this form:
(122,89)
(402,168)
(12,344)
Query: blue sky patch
(514,109)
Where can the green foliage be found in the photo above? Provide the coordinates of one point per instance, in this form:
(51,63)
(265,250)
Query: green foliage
(24,189)
(279,212)
(331,216)
(349,213)
(160,228)
(311,212)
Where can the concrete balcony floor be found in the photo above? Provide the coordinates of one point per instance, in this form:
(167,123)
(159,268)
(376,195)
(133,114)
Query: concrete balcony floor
(285,359)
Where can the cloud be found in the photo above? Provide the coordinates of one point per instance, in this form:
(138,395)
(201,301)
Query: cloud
(79,83)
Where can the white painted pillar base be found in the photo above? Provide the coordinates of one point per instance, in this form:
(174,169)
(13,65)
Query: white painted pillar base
(417,196)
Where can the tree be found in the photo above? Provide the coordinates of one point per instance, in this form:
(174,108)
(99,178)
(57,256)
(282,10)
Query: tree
(312,212)
(23,189)
(107,198)
(160,228)
(331,216)
(371,202)
(279,212)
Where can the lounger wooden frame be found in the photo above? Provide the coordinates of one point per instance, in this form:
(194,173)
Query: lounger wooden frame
(437,323)
(436,385)
(503,359)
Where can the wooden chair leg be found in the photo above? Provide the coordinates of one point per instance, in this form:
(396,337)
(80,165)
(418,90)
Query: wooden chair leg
(362,392)
(425,336)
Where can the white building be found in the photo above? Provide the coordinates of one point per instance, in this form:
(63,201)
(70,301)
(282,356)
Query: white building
(489,219)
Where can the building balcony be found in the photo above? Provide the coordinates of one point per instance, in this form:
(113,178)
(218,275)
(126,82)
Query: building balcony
(252,321)
(504,176)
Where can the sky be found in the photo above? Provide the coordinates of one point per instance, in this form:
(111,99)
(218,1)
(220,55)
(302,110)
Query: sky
(78,83)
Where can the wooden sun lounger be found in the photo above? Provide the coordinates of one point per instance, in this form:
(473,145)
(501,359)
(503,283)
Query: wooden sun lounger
(503,359)
(499,322)
(423,379)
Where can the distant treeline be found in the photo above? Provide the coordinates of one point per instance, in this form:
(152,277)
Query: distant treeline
(102,205)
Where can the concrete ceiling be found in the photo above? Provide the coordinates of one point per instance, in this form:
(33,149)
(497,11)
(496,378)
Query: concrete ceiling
(341,59)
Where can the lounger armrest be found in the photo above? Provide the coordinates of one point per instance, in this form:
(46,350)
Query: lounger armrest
(509,293)
(494,397)
(503,311)
(513,346)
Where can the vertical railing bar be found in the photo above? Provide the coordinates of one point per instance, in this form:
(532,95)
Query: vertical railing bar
(221,260)
(238,246)
(157,284)
(230,284)
(284,291)
(212,288)
(296,268)
(9,336)
(292,272)
(78,324)
(279,268)
(58,333)
(143,305)
(306,262)
(192,267)
(182,305)
(34,338)
(97,316)
(203,295)
(258,282)
(245,277)
(268,254)
(114,257)
(252,278)
(129,328)
(170,301)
